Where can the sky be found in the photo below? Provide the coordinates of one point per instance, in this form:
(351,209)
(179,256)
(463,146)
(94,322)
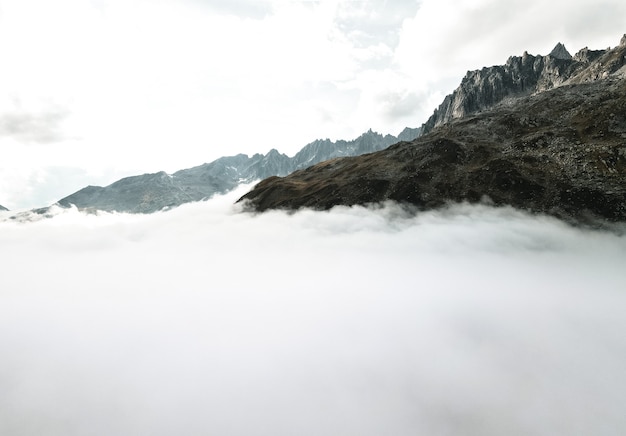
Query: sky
(93,90)
(205,320)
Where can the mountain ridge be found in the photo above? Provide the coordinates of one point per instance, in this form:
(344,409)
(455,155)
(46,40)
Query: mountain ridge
(559,151)
(560,52)
(148,193)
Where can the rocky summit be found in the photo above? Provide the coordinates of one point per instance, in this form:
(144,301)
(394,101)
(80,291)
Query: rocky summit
(525,75)
(559,151)
(560,52)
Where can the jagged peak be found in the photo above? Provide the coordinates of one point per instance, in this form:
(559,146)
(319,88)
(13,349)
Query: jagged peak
(274,152)
(560,52)
(409,134)
(369,134)
(623,40)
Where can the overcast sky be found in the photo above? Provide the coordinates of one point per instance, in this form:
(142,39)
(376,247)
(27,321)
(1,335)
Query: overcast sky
(91,91)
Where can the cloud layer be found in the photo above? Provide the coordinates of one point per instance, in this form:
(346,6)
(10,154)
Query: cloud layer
(204,320)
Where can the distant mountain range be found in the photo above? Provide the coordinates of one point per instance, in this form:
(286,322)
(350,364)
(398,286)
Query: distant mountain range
(149,193)
(542,133)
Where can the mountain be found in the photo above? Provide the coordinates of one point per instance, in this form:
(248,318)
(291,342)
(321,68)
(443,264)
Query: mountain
(409,134)
(560,52)
(523,75)
(153,192)
(558,147)
(2,208)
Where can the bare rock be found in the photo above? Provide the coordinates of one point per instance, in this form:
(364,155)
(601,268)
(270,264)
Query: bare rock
(560,52)
(524,75)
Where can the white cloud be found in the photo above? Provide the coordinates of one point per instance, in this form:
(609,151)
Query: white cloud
(31,128)
(470,320)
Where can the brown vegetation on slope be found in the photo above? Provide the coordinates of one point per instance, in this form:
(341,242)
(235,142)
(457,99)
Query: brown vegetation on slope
(560,152)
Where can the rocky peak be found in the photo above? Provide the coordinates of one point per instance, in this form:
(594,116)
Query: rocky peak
(623,40)
(587,56)
(370,134)
(525,75)
(560,52)
(409,134)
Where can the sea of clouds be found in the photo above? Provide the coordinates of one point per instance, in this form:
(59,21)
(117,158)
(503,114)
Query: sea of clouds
(205,320)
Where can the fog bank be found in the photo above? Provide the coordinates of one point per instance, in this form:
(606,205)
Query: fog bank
(205,320)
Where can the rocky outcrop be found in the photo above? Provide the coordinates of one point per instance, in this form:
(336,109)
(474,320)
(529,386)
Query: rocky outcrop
(525,75)
(149,193)
(2,208)
(325,149)
(409,134)
(560,52)
(560,152)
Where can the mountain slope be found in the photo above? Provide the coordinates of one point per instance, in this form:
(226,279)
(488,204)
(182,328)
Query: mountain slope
(2,208)
(561,151)
(149,193)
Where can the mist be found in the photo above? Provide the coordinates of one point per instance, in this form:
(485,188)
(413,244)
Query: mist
(202,320)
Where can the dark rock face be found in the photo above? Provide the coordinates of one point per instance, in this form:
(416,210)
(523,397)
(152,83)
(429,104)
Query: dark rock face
(2,208)
(560,152)
(525,75)
(153,192)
